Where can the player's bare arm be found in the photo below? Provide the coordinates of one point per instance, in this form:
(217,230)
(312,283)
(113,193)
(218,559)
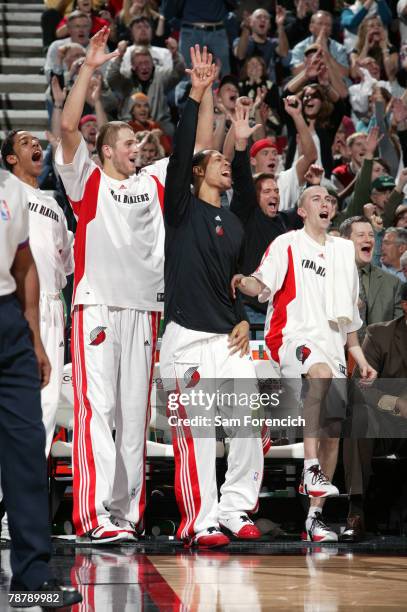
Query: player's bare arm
(248,285)
(71,115)
(25,274)
(367,373)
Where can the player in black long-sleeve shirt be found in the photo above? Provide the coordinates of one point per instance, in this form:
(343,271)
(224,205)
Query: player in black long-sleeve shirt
(205,343)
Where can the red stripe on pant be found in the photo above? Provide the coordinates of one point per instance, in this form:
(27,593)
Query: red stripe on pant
(84,472)
(187,491)
(155,325)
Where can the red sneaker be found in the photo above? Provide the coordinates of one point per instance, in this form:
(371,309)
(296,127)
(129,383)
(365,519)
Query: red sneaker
(241,526)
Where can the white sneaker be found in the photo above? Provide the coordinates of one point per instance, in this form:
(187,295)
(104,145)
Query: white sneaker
(126,526)
(241,526)
(315,484)
(104,533)
(208,538)
(5,534)
(317,531)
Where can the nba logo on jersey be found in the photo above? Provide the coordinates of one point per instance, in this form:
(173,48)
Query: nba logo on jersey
(191,377)
(4,211)
(302,353)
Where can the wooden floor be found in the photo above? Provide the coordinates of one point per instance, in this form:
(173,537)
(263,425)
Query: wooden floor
(319,581)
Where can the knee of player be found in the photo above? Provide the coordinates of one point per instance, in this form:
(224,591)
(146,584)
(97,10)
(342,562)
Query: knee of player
(320,370)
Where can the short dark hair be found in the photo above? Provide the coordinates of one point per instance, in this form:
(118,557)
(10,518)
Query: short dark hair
(7,148)
(346,226)
(139,19)
(107,136)
(259,178)
(201,159)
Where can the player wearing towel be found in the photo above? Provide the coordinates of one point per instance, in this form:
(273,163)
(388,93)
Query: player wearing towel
(312,313)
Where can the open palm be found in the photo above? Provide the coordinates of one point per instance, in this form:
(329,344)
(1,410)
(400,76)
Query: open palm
(243,131)
(96,55)
(203,71)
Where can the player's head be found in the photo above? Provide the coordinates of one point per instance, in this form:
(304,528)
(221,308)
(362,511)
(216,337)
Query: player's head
(211,169)
(22,154)
(117,148)
(88,128)
(360,231)
(267,192)
(316,209)
(264,156)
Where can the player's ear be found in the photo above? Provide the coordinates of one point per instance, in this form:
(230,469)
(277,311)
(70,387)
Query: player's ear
(107,151)
(301,212)
(198,171)
(11,159)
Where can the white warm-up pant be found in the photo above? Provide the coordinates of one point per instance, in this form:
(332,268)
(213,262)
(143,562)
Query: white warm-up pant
(52,327)
(194,360)
(112,365)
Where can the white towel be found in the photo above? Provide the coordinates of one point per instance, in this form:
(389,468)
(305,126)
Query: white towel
(340,278)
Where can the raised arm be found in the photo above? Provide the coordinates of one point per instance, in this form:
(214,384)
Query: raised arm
(179,171)
(75,101)
(244,194)
(309,153)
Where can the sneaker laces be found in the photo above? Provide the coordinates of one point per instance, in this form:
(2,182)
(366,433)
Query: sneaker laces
(318,522)
(318,476)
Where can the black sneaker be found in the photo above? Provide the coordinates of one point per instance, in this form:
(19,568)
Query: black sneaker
(50,594)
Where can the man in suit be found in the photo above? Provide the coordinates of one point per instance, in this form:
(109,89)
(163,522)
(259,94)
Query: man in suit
(380,414)
(379,291)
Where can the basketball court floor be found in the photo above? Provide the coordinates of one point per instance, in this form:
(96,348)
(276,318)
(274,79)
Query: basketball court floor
(161,575)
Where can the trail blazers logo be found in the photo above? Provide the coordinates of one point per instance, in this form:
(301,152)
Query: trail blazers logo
(191,377)
(302,353)
(97,336)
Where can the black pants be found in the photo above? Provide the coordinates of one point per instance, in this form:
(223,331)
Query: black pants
(22,450)
(49,21)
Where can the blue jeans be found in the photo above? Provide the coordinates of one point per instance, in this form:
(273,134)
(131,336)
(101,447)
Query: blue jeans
(217,43)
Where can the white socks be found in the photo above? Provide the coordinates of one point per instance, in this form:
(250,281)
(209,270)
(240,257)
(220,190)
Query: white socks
(309,462)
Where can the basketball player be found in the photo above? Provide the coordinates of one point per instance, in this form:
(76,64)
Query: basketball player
(206,336)
(118,295)
(51,246)
(311,283)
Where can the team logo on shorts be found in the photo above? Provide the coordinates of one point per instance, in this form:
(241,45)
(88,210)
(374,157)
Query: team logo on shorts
(97,336)
(302,353)
(191,377)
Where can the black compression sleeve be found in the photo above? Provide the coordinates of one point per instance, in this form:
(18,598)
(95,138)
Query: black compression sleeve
(179,171)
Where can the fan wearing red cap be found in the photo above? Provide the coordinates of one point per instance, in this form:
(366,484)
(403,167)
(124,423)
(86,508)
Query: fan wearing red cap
(89,129)
(265,157)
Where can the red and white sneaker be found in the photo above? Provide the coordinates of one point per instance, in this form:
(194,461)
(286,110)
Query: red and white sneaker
(209,538)
(241,526)
(126,526)
(317,531)
(105,533)
(314,483)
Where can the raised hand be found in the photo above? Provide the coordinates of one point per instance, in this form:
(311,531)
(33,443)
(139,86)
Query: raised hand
(96,55)
(261,93)
(96,90)
(121,48)
(241,124)
(372,141)
(314,174)
(280,15)
(293,106)
(58,93)
(202,73)
(402,180)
